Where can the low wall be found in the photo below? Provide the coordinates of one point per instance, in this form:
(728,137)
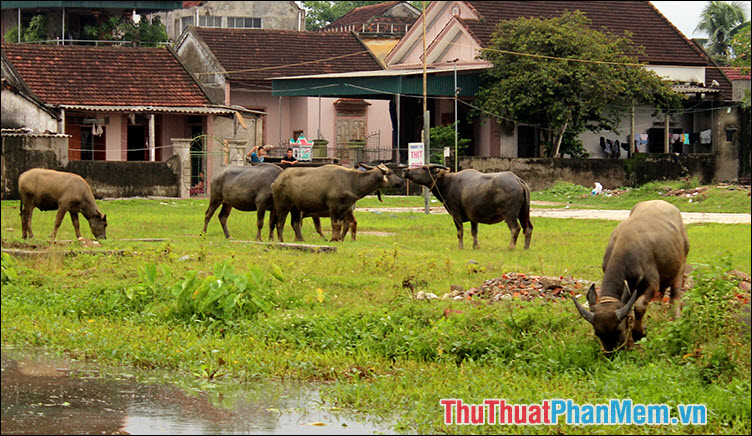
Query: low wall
(129,179)
(23,152)
(543,173)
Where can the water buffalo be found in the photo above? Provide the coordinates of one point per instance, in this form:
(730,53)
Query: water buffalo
(245,188)
(328,190)
(487,198)
(646,253)
(61,191)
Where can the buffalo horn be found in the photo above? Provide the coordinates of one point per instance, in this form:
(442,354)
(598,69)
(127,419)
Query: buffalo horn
(589,316)
(432,166)
(621,313)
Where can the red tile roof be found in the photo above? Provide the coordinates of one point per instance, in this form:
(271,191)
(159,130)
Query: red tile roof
(361,15)
(663,43)
(735,73)
(256,55)
(116,76)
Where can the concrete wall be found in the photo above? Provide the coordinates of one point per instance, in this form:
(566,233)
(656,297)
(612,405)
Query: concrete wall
(19,111)
(543,173)
(23,152)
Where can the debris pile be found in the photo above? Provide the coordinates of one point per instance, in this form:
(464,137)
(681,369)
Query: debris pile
(667,191)
(521,286)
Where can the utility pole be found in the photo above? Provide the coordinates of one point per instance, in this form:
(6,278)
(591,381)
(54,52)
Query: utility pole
(426,115)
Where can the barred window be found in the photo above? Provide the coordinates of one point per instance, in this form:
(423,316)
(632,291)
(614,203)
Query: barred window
(209,21)
(244,22)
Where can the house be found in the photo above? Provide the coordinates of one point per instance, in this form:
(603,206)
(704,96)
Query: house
(740,82)
(456,31)
(236,67)
(122,104)
(282,15)
(66,20)
(379,26)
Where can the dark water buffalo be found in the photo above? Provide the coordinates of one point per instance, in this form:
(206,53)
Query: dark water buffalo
(61,191)
(646,253)
(245,188)
(328,190)
(486,198)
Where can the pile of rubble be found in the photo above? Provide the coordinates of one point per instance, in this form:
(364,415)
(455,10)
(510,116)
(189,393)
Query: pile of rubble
(516,286)
(689,193)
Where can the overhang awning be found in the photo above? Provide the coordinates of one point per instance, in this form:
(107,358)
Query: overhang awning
(381,84)
(695,89)
(187,110)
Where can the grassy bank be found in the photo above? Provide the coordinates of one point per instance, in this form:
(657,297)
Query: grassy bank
(231,312)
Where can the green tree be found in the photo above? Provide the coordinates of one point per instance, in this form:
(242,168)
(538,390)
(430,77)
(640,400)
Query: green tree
(563,76)
(443,136)
(37,31)
(719,20)
(124,29)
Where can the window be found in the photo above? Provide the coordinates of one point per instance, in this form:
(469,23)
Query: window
(185,22)
(209,21)
(244,23)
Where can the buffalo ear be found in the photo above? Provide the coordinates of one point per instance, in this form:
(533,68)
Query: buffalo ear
(592,297)
(625,293)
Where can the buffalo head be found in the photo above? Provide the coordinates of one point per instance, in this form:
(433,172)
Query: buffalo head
(426,175)
(98,224)
(611,318)
(390,179)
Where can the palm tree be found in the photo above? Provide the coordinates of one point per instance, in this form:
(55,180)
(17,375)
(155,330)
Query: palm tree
(719,19)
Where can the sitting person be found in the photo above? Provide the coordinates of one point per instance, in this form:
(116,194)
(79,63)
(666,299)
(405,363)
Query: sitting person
(198,188)
(256,154)
(288,158)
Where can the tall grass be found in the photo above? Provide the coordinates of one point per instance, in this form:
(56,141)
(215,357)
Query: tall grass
(232,312)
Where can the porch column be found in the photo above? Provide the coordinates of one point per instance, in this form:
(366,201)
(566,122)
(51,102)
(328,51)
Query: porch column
(665,134)
(237,151)
(631,131)
(182,147)
(152,138)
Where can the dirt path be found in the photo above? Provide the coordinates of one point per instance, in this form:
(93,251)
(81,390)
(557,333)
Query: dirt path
(617,215)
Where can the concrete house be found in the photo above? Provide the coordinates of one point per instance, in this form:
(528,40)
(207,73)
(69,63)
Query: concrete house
(119,104)
(458,30)
(236,67)
(281,15)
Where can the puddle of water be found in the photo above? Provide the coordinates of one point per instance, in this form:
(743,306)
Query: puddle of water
(46,394)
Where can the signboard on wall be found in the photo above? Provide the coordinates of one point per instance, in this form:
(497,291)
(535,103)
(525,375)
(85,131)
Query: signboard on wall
(416,153)
(301,148)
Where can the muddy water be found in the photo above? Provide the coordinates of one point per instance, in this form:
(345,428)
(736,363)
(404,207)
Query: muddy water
(46,394)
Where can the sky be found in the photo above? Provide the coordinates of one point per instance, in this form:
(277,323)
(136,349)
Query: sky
(685,15)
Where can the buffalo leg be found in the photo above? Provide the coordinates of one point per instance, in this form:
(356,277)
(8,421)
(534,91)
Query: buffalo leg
(351,222)
(272,223)
(677,289)
(474,233)
(259,223)
(641,305)
(223,214)
(527,226)
(27,210)
(460,234)
(296,221)
(317,226)
(213,205)
(281,217)
(58,220)
(74,220)
(336,229)
(515,229)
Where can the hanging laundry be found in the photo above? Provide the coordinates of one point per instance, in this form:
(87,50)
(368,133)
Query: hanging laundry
(705,136)
(686,138)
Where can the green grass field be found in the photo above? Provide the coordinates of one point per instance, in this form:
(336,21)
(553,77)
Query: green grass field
(228,311)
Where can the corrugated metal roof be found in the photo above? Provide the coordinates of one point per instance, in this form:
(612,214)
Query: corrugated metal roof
(25,132)
(138,5)
(693,89)
(166,109)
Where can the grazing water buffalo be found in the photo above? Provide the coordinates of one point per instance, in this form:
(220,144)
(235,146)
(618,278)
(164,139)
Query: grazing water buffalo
(61,191)
(487,198)
(328,190)
(245,188)
(646,253)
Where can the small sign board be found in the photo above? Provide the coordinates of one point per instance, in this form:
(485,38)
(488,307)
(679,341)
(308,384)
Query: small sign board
(416,153)
(301,148)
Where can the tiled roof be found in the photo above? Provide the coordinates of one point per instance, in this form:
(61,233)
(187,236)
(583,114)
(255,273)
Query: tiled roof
(663,43)
(117,76)
(256,55)
(190,4)
(735,73)
(361,15)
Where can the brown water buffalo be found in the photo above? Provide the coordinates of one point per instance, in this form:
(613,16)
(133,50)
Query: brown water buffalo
(486,198)
(646,253)
(328,190)
(65,192)
(245,188)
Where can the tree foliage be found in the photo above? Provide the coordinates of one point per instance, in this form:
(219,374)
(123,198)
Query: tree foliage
(124,29)
(37,31)
(563,76)
(443,136)
(719,20)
